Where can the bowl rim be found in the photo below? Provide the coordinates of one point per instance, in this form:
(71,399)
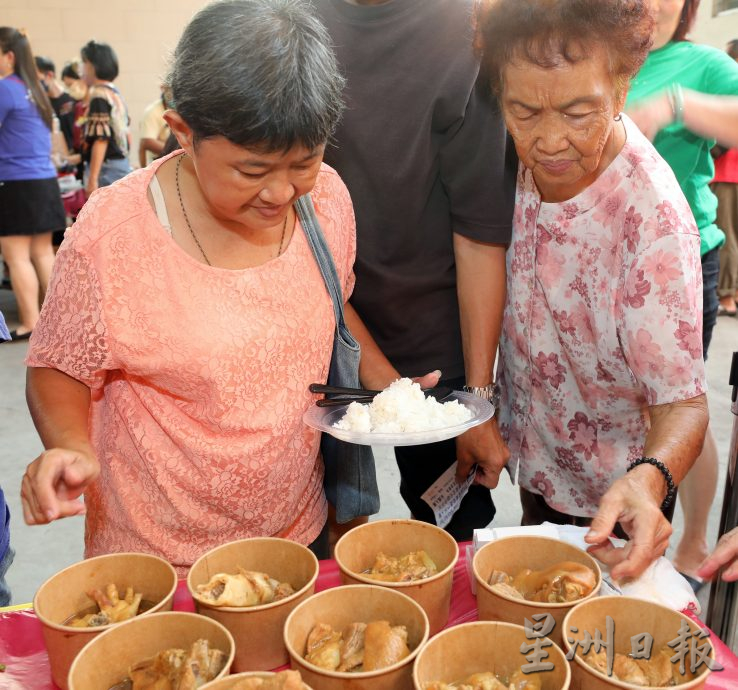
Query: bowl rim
(243,675)
(410,658)
(620,683)
(397,585)
(258,607)
(454,629)
(537,604)
(169,614)
(47,622)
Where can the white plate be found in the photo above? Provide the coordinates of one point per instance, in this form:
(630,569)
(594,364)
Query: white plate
(323,419)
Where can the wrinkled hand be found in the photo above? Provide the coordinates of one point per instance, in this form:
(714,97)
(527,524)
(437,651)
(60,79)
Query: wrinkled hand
(725,554)
(639,513)
(481,446)
(652,115)
(53,483)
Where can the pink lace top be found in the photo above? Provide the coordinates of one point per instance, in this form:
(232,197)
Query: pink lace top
(603,319)
(199,376)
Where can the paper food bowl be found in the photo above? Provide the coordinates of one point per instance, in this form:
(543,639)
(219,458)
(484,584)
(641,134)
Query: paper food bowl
(230,682)
(357,550)
(512,555)
(630,617)
(106,659)
(257,630)
(64,595)
(342,606)
(455,654)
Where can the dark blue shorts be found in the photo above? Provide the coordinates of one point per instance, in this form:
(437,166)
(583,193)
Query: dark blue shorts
(710,301)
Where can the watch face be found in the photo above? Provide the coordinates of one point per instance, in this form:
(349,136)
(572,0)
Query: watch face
(487,392)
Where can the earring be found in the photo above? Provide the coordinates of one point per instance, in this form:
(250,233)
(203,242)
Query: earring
(618,117)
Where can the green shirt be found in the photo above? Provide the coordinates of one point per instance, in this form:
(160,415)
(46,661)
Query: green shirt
(699,68)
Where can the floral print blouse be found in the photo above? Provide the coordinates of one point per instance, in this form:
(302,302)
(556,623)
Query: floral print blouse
(603,319)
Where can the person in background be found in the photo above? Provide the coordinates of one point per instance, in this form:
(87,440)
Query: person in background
(425,165)
(105,136)
(153,130)
(75,85)
(671,99)
(30,203)
(725,188)
(61,101)
(603,386)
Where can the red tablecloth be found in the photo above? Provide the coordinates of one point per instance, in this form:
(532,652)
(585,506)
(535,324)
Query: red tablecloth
(27,666)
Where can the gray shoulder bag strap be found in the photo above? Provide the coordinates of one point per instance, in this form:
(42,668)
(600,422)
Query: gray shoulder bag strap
(350,474)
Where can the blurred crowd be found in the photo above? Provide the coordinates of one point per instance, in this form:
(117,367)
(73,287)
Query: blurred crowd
(73,137)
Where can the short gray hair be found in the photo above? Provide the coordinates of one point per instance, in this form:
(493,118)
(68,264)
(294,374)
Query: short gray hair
(260,73)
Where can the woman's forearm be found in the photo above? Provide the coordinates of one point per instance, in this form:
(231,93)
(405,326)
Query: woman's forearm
(60,408)
(712,117)
(675,438)
(97,157)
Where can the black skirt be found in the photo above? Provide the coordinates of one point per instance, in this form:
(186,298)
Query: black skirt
(30,207)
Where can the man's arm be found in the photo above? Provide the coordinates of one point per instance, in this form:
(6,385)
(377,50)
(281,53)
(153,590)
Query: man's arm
(480,277)
(675,438)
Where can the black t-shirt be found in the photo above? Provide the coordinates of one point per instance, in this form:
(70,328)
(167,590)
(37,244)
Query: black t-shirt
(63,106)
(422,151)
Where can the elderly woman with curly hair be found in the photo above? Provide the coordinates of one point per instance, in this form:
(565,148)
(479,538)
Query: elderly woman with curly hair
(602,375)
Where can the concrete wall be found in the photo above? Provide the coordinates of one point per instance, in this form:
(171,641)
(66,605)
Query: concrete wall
(144,32)
(715,30)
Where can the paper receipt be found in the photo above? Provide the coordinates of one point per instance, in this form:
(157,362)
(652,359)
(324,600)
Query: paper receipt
(445,494)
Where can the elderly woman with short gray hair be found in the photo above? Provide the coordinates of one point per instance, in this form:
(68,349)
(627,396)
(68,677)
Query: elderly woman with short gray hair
(169,373)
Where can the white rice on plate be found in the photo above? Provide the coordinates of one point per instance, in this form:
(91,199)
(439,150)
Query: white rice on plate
(402,408)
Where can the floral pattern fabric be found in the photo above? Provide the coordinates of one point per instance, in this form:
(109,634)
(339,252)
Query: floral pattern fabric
(199,376)
(603,320)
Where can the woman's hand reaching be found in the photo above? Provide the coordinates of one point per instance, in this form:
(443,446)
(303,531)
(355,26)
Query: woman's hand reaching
(54,482)
(725,554)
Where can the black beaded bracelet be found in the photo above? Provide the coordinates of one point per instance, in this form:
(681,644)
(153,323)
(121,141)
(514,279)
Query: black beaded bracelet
(671,489)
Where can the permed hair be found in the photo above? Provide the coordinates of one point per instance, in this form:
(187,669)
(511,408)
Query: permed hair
(549,32)
(260,73)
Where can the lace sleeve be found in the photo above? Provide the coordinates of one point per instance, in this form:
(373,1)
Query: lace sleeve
(71,334)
